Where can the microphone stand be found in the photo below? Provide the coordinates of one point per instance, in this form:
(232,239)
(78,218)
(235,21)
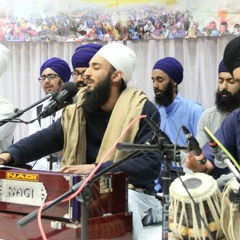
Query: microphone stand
(168,153)
(84,198)
(20,112)
(234,195)
(85,195)
(53,157)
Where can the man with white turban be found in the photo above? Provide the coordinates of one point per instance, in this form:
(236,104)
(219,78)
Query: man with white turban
(6,107)
(87,130)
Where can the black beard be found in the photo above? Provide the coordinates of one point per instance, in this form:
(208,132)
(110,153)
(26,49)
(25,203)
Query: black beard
(229,103)
(99,96)
(166,98)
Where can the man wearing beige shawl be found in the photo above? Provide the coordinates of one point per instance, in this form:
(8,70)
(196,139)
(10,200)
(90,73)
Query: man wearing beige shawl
(88,129)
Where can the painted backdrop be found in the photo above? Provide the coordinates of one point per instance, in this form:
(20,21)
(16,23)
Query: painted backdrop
(113,20)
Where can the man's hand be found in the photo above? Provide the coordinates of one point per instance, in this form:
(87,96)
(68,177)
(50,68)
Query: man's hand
(192,164)
(80,169)
(5,158)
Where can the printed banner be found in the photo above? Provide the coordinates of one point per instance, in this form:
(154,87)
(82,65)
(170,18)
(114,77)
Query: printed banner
(112,20)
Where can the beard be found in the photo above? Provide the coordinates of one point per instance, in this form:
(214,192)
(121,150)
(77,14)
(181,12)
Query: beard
(166,97)
(99,96)
(229,103)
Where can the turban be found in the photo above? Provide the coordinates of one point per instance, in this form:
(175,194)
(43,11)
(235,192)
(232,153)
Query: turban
(4,59)
(59,66)
(231,55)
(121,57)
(172,67)
(222,67)
(83,54)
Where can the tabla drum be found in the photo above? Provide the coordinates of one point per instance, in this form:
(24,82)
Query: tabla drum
(184,220)
(230,214)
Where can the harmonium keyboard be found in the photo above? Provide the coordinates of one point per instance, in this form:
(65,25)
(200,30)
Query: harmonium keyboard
(24,191)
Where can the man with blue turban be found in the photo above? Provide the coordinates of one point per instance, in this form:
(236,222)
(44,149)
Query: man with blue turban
(175,110)
(54,72)
(227,100)
(80,60)
(228,134)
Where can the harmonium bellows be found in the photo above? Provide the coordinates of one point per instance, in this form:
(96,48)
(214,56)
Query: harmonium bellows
(22,192)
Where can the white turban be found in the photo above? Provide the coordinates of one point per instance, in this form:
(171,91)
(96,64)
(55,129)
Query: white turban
(121,57)
(4,58)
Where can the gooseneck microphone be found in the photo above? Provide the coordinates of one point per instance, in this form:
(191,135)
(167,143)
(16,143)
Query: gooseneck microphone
(64,98)
(18,112)
(219,156)
(156,129)
(194,146)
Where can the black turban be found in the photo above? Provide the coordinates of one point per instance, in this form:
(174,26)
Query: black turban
(231,54)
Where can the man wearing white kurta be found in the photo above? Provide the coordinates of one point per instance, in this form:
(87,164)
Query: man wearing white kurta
(6,107)
(53,74)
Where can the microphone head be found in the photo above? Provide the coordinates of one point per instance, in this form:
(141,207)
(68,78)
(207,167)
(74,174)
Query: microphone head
(71,88)
(185,130)
(220,164)
(52,95)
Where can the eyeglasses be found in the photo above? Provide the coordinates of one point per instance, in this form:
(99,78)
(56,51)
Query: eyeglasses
(228,80)
(49,77)
(76,74)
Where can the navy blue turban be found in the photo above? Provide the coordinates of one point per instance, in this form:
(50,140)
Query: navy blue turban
(222,67)
(59,66)
(231,55)
(172,67)
(83,54)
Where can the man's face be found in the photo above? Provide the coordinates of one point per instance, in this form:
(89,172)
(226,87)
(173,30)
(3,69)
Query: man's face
(49,85)
(228,94)
(164,88)
(99,82)
(79,77)
(236,73)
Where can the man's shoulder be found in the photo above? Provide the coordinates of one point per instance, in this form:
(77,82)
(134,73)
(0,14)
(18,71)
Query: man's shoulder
(235,115)
(149,104)
(211,111)
(190,103)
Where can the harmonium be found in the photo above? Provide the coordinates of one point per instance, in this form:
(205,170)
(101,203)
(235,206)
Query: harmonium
(25,191)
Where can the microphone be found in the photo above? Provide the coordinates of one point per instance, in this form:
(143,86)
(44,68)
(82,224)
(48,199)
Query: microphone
(159,133)
(18,112)
(194,146)
(219,156)
(64,98)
